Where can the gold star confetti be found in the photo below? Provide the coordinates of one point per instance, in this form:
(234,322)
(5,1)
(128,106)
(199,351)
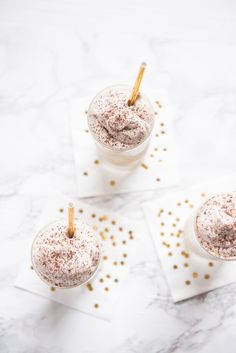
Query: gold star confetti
(96,161)
(96,306)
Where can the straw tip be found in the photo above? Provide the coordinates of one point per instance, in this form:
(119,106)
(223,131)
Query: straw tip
(70,205)
(144,64)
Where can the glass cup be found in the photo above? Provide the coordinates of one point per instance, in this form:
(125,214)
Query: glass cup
(61,251)
(126,157)
(192,239)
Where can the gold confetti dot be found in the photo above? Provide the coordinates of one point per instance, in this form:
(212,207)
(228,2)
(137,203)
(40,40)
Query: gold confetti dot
(165,149)
(81,210)
(113,222)
(123,241)
(114,243)
(156,113)
(96,161)
(162,132)
(170,253)
(177,245)
(106,229)
(52,289)
(187,282)
(195,275)
(86,112)
(206,276)
(116,280)
(86,130)
(101,280)
(95,227)
(191,206)
(108,276)
(186,264)
(89,287)
(162,234)
(155,149)
(93,215)
(186,201)
(210,264)
(124,255)
(171,234)
(175,267)
(102,235)
(152,155)
(158,179)
(162,124)
(115,263)
(31,267)
(159,160)
(177,219)
(120,229)
(85,173)
(61,210)
(144,166)
(157,135)
(162,224)
(169,213)
(203,194)
(174,225)
(112,237)
(122,263)
(105,257)
(96,306)
(112,183)
(130,232)
(131,237)
(179,204)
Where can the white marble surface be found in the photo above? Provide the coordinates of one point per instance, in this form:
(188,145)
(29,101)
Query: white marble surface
(53,51)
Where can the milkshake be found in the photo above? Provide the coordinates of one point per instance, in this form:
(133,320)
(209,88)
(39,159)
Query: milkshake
(121,131)
(64,261)
(214,228)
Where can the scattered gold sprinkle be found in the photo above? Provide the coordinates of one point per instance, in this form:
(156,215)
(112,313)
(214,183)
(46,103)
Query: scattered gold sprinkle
(85,173)
(96,161)
(123,241)
(186,201)
(210,264)
(112,237)
(178,203)
(186,264)
(113,222)
(155,149)
(152,155)
(120,229)
(115,263)
(187,282)
(169,213)
(191,206)
(162,132)
(155,113)
(103,218)
(131,237)
(101,280)
(86,130)
(175,267)
(31,267)
(170,253)
(130,232)
(122,263)
(52,289)
(105,257)
(124,255)
(96,306)
(207,276)
(157,135)
(116,280)
(165,149)
(81,210)
(143,165)
(89,287)
(93,215)
(113,243)
(86,112)
(102,235)
(108,276)
(174,225)
(177,245)
(112,183)
(195,274)
(162,234)
(106,289)
(106,229)
(162,224)
(158,179)
(203,194)
(95,227)
(162,124)
(177,219)
(61,210)
(171,234)
(160,160)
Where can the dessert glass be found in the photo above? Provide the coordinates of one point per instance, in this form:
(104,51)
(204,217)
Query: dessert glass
(52,283)
(193,241)
(129,156)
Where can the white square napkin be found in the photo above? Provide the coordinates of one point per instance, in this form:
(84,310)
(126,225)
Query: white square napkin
(120,246)
(158,168)
(187,274)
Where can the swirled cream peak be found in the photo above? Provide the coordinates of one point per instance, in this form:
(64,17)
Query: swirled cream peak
(62,261)
(216,225)
(117,125)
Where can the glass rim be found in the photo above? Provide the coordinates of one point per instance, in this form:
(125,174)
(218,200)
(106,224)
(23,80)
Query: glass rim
(124,149)
(68,287)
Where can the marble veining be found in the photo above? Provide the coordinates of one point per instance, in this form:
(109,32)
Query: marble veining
(54,51)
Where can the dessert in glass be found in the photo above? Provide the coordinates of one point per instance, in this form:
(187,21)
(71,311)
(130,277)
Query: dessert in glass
(121,129)
(211,231)
(62,260)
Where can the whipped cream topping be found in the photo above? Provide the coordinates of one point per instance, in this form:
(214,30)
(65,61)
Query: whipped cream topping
(117,125)
(62,261)
(216,225)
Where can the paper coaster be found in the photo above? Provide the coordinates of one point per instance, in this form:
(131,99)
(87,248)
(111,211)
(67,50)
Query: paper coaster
(119,243)
(187,274)
(158,168)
